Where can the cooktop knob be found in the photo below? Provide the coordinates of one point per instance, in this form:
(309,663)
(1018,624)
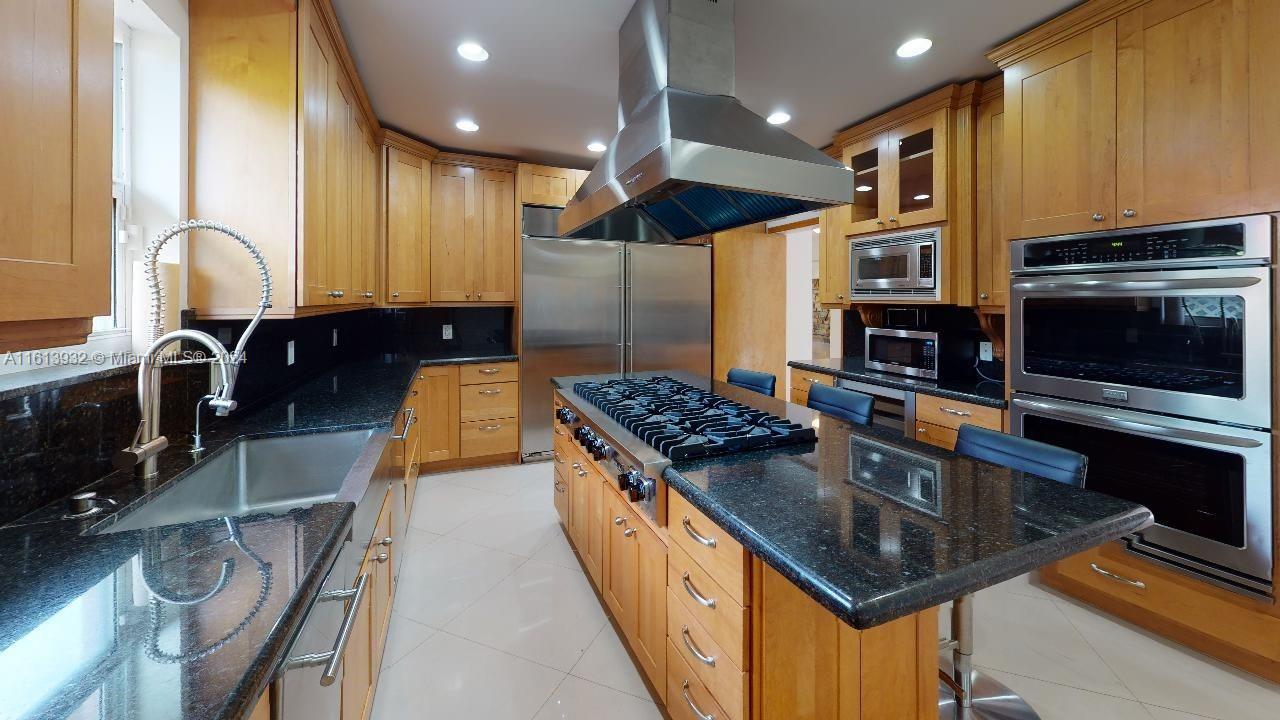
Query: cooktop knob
(638,486)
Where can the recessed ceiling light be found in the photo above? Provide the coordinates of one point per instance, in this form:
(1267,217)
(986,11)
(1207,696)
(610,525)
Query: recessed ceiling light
(914,47)
(863,188)
(473,52)
(921,197)
(466,126)
(778,118)
(597,147)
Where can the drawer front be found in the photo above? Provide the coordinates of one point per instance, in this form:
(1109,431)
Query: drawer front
(952,413)
(561,497)
(802,379)
(490,437)
(706,601)
(942,437)
(719,555)
(687,697)
(799,397)
(704,656)
(488,373)
(489,401)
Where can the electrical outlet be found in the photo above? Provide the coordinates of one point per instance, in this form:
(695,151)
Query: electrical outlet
(289,357)
(335,337)
(224,335)
(984,351)
(448,332)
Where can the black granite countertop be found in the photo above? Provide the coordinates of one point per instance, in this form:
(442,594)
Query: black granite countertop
(977,391)
(101,625)
(877,527)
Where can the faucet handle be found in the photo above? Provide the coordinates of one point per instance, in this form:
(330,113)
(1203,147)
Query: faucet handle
(223,407)
(136,454)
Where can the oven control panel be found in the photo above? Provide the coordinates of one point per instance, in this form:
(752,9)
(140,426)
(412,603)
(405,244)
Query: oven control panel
(1216,241)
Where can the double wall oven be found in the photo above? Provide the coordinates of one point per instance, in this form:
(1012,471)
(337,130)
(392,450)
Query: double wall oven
(1149,350)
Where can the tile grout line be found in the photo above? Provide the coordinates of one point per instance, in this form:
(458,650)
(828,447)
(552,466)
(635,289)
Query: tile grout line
(1062,684)
(507,652)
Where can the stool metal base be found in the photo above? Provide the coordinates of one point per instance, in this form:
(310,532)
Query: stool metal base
(991,700)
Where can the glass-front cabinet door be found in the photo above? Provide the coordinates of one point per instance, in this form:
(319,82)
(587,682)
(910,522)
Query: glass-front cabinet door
(869,161)
(917,172)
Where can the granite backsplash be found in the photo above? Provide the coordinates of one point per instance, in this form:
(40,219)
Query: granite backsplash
(54,440)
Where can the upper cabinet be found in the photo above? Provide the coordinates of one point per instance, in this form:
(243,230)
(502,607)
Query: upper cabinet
(473,230)
(55,170)
(283,149)
(1117,115)
(408,215)
(551,186)
(991,196)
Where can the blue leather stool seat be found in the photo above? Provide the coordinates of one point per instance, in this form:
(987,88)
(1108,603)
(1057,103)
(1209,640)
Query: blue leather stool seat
(1050,461)
(760,382)
(850,405)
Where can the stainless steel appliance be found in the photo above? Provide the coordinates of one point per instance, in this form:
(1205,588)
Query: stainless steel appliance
(895,265)
(1149,350)
(688,155)
(1173,319)
(906,352)
(594,306)
(1208,484)
(637,425)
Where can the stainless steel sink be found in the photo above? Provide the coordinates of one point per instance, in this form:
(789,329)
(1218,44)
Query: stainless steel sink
(271,475)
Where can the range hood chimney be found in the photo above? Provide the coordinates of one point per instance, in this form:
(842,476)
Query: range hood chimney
(688,157)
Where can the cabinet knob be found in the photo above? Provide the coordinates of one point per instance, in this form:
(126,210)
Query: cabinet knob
(879,221)
(1099,217)
(1130,212)
(395,294)
(368,293)
(983,296)
(386,542)
(839,297)
(382,557)
(893,219)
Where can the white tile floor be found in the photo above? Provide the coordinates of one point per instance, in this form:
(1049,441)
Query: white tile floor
(494,619)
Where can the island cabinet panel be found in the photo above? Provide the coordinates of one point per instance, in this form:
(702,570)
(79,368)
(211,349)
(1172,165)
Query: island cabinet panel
(809,665)
(720,556)
(408,227)
(621,572)
(55,170)
(1198,110)
(580,481)
(594,555)
(1060,137)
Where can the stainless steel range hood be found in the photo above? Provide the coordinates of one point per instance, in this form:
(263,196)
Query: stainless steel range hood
(689,157)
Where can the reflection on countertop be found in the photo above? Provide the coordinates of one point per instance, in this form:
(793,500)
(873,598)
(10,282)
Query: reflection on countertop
(975,390)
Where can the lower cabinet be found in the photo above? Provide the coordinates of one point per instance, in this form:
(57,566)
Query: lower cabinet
(938,419)
(467,411)
(363,659)
(802,380)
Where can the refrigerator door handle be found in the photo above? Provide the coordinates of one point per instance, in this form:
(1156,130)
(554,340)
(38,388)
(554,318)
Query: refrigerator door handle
(631,325)
(622,312)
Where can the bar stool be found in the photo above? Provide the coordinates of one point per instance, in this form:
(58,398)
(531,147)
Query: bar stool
(978,695)
(760,382)
(848,404)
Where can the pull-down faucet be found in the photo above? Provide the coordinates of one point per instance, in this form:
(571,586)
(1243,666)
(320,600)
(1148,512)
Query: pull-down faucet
(147,442)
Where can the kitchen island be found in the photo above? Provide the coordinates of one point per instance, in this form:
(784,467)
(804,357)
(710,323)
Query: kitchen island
(804,581)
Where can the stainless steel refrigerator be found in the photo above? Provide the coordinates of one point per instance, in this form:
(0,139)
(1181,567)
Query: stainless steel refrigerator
(599,305)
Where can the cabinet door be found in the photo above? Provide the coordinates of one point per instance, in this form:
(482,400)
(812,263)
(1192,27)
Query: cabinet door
(338,239)
(453,210)
(833,258)
(620,564)
(993,245)
(1198,129)
(437,410)
(55,169)
(596,529)
(869,161)
(369,207)
(1060,125)
(580,480)
(355,204)
(317,67)
(358,662)
(493,253)
(561,497)
(915,189)
(408,225)
(651,604)
(543,185)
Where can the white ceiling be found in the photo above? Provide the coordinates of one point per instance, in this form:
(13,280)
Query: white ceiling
(550,85)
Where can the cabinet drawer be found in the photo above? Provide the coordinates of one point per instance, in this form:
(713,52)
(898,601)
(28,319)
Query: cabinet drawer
(490,437)
(936,435)
(953,413)
(687,697)
(799,397)
(489,401)
(719,614)
(488,373)
(704,656)
(802,379)
(719,555)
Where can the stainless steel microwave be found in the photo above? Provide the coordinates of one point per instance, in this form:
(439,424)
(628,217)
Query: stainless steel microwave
(906,352)
(895,265)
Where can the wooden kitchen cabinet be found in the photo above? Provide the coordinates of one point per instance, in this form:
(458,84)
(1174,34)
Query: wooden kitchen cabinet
(900,175)
(833,258)
(473,232)
(621,571)
(580,481)
(649,642)
(55,171)
(548,186)
(363,659)
(992,239)
(439,421)
(408,227)
(939,419)
(869,159)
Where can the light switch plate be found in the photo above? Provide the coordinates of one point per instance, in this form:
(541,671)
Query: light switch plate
(984,352)
(289,356)
(448,332)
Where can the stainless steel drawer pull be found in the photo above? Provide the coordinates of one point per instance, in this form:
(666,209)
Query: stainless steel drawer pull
(490,428)
(381,558)
(576,466)
(629,532)
(684,690)
(494,391)
(688,643)
(556,455)
(688,528)
(559,486)
(332,659)
(1118,578)
(697,596)
(583,473)
(953,411)
(408,421)
(619,520)
(386,542)
(490,371)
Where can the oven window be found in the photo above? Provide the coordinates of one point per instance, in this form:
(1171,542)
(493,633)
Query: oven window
(907,352)
(1183,344)
(1192,489)
(885,267)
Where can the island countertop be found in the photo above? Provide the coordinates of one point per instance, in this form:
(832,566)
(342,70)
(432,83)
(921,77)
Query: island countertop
(876,527)
(977,391)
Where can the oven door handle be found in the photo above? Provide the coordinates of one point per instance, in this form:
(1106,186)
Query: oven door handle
(1147,428)
(1224,283)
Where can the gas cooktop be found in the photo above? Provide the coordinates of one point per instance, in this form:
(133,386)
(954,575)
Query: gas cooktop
(682,421)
